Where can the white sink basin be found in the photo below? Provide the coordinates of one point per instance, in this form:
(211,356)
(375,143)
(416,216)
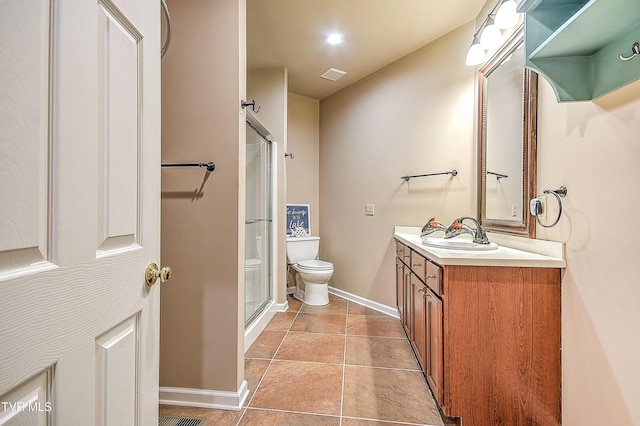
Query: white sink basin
(457,244)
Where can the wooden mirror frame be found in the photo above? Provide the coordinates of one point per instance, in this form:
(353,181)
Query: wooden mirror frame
(527,226)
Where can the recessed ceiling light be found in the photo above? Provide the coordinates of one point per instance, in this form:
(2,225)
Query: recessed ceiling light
(334,38)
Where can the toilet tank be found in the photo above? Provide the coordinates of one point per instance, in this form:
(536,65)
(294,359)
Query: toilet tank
(302,248)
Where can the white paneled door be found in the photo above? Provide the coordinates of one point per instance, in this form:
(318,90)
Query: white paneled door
(79,211)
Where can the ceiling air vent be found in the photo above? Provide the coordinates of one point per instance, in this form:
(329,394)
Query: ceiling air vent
(333,74)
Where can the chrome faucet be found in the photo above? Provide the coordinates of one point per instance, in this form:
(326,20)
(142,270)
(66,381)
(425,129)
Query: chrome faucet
(431,227)
(457,228)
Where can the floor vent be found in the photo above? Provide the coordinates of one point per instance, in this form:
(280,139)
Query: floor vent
(178,421)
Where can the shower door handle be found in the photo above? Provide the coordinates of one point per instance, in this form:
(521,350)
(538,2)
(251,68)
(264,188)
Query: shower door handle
(252,221)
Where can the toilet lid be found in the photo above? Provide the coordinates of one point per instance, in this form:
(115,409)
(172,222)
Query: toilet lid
(316,265)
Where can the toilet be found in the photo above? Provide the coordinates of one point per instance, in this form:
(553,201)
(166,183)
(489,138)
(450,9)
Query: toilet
(253,293)
(312,275)
(252,273)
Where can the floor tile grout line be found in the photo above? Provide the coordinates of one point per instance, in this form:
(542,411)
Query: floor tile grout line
(301,361)
(395,422)
(280,410)
(344,363)
(379,337)
(375,367)
(309,413)
(269,365)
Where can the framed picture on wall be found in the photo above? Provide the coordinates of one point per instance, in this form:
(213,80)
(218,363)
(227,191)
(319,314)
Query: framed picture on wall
(298,220)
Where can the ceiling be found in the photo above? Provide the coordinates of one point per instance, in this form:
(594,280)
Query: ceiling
(290,33)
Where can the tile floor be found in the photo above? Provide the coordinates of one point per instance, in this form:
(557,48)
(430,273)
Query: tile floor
(336,365)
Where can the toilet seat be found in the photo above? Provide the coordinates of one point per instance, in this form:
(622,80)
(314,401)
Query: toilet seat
(314,265)
(253,263)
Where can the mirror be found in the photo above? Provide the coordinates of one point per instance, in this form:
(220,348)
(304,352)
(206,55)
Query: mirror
(507,94)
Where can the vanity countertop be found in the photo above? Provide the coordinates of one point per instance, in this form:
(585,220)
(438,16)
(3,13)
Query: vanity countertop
(540,254)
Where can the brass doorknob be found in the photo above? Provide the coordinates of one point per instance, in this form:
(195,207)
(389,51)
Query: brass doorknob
(152,273)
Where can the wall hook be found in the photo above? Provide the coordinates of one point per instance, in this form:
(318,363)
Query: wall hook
(636,51)
(289,154)
(252,103)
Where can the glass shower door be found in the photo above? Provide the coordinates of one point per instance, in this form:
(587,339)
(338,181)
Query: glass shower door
(258,225)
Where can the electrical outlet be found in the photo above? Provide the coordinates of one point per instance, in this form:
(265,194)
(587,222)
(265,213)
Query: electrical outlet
(369,209)
(514,210)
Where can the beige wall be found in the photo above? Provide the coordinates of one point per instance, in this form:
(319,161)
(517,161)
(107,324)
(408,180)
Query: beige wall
(202,317)
(370,135)
(593,148)
(303,175)
(268,86)
(413,117)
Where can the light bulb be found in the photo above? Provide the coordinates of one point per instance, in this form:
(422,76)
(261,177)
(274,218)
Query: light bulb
(334,38)
(507,15)
(491,36)
(476,54)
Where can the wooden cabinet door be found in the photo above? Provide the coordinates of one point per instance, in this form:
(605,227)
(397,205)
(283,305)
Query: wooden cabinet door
(407,320)
(434,367)
(400,287)
(419,320)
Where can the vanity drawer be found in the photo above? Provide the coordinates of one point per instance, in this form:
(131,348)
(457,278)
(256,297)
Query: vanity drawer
(403,252)
(433,278)
(418,265)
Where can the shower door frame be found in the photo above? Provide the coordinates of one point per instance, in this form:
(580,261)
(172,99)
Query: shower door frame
(266,311)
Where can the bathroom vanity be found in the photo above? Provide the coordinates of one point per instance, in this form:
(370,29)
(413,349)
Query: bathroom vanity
(485,328)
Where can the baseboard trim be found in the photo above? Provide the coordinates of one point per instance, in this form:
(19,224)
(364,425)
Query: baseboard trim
(252,332)
(282,307)
(385,309)
(203,398)
(254,329)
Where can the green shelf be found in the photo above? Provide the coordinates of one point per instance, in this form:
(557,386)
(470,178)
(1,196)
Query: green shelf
(576,45)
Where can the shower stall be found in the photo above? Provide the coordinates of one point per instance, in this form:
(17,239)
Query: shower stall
(258,222)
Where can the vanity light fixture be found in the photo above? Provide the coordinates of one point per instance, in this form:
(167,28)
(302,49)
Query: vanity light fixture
(334,38)
(476,54)
(507,15)
(491,36)
(489,32)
